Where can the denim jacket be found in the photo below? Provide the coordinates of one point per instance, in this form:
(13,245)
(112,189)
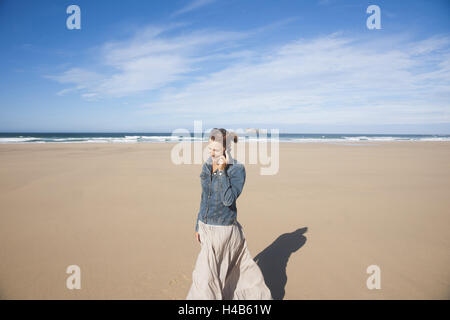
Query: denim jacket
(219,192)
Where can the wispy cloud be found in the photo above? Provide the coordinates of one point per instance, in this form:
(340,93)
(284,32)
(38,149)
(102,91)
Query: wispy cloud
(148,61)
(193,5)
(328,79)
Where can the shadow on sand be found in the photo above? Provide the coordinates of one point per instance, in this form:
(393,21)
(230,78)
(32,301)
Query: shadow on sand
(273,260)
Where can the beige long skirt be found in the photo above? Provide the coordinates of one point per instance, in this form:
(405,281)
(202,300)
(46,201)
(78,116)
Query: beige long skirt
(224,269)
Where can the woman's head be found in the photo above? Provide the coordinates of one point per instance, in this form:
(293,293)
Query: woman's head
(219,141)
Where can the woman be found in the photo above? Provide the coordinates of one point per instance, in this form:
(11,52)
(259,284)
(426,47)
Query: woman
(224,269)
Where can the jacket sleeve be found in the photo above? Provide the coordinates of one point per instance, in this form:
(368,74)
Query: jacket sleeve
(232,184)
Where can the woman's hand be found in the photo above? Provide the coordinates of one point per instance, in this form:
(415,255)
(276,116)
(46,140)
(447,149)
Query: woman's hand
(197,236)
(222,161)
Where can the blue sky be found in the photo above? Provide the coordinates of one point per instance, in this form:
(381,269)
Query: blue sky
(299,66)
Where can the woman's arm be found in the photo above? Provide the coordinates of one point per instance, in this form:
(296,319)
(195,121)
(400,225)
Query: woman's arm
(231,183)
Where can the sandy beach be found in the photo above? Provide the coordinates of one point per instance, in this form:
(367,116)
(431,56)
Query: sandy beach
(125,214)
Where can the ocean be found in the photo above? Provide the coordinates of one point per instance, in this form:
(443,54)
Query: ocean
(167,137)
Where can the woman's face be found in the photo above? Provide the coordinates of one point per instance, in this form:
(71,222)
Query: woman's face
(215,149)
